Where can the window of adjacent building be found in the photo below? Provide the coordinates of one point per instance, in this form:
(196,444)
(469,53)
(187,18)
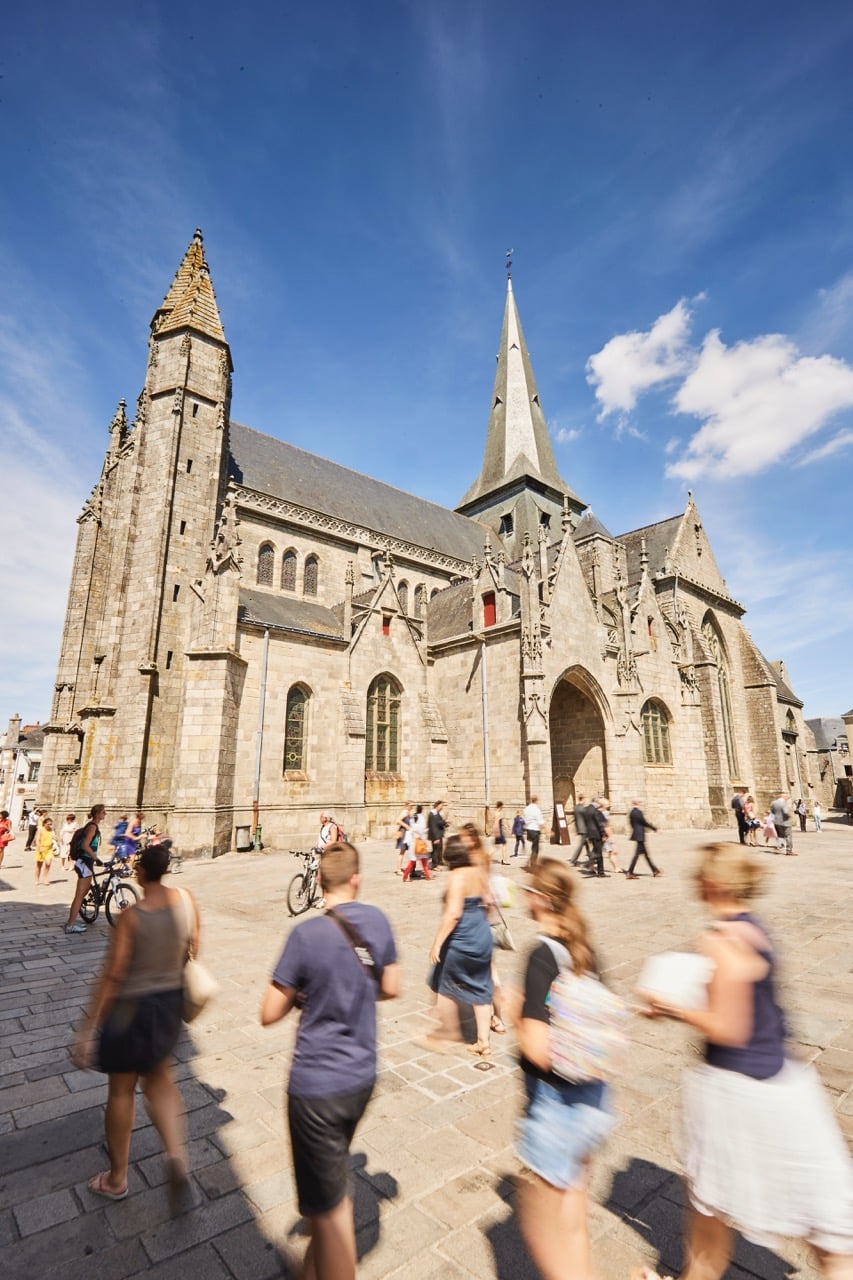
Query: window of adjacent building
(33,775)
(656,746)
(266,563)
(309,576)
(713,640)
(294,729)
(403,596)
(383,726)
(288,571)
(489,609)
(420,600)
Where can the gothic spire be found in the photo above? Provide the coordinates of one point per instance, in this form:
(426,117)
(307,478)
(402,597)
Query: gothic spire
(191,301)
(517,442)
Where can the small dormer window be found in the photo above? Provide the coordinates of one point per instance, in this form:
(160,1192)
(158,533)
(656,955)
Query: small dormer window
(506,525)
(544,520)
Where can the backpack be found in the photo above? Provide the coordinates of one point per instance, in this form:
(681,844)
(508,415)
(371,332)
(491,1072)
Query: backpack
(588,1024)
(340,836)
(76,846)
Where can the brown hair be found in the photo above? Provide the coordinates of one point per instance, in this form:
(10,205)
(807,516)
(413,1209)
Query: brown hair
(558,884)
(729,867)
(154,860)
(456,853)
(338,865)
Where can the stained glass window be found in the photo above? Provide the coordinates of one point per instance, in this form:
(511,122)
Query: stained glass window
(294,729)
(266,561)
(656,747)
(382,748)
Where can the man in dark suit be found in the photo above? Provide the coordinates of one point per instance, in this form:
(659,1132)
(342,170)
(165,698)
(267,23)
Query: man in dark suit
(579,813)
(436,827)
(596,831)
(639,826)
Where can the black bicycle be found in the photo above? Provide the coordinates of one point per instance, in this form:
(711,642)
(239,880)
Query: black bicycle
(304,890)
(111,892)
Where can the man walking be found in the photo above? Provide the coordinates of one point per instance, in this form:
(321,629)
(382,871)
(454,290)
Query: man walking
(639,826)
(533,821)
(781,811)
(579,814)
(334,968)
(737,805)
(436,827)
(33,819)
(596,833)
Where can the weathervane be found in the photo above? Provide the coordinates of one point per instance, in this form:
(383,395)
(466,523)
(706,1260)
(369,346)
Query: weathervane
(509,254)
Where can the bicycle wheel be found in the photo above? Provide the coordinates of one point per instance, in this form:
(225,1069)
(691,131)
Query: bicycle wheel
(119,899)
(300,893)
(89,907)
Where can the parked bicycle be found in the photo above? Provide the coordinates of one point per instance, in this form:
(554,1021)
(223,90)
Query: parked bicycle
(304,890)
(111,892)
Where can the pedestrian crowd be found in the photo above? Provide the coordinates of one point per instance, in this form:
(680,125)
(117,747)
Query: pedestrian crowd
(759,1144)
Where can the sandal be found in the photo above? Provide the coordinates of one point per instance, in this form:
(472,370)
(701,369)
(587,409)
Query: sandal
(497,1026)
(479,1050)
(99,1187)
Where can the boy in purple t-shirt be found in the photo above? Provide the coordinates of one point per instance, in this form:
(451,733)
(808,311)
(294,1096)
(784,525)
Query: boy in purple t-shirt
(334,968)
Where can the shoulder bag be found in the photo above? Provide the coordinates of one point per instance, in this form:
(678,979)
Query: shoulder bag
(361,950)
(199,984)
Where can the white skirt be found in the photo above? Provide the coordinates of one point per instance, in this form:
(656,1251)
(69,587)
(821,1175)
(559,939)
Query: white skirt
(766,1156)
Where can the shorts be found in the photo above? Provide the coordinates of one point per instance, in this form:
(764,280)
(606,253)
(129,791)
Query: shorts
(321,1130)
(140,1032)
(562,1126)
(84,869)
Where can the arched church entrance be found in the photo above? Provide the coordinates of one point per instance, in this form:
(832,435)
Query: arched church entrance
(578,753)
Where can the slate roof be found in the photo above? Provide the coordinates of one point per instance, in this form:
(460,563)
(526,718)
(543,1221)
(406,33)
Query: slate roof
(826,730)
(191,301)
(783,689)
(282,613)
(589,525)
(451,612)
(658,537)
(267,465)
(31,737)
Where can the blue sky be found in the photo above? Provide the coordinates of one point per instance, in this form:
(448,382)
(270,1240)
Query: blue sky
(676,181)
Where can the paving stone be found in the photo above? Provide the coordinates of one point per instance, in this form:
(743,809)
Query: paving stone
(202,1262)
(209,1220)
(45,1211)
(249,1255)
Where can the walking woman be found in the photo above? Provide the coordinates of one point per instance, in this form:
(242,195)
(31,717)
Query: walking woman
(417,850)
(134,1020)
(7,835)
(563,1123)
(461,953)
(46,847)
(760,1147)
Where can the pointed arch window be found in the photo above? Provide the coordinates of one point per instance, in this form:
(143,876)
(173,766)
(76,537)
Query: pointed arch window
(434,592)
(713,640)
(266,563)
(420,600)
(310,576)
(655,725)
(288,571)
(382,747)
(295,723)
(403,596)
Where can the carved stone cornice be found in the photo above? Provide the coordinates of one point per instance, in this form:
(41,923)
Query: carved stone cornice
(265,503)
(87,712)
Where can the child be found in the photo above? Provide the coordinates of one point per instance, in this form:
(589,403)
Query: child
(518,832)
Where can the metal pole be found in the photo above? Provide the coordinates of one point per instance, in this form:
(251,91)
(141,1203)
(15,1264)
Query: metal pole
(259,746)
(485,695)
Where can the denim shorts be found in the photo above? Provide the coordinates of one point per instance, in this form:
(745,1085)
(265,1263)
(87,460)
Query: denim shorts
(562,1125)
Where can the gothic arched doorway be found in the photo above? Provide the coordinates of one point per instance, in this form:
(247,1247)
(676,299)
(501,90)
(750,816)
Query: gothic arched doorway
(578,753)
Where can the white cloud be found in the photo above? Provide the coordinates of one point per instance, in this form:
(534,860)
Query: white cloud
(632,363)
(830,321)
(843,440)
(757,400)
(565,435)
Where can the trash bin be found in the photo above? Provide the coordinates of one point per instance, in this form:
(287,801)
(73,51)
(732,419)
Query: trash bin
(243,838)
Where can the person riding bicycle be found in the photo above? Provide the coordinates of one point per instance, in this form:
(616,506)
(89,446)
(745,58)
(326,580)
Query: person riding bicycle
(84,850)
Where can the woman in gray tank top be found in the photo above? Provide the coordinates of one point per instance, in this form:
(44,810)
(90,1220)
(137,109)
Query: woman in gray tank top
(134,1020)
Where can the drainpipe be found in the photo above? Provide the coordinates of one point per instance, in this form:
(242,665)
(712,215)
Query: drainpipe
(485,697)
(256,822)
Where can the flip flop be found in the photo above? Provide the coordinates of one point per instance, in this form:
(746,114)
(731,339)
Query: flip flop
(497,1026)
(100,1188)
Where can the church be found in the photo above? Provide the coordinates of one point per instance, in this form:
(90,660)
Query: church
(255,634)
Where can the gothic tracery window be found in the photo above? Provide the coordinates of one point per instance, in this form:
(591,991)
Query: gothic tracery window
(712,639)
(420,598)
(309,576)
(382,747)
(656,744)
(295,720)
(266,562)
(403,596)
(288,571)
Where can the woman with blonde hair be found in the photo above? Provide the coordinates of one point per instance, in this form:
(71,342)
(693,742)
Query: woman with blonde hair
(46,848)
(563,1123)
(760,1147)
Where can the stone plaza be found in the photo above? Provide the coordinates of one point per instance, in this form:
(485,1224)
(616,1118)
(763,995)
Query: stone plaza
(433,1163)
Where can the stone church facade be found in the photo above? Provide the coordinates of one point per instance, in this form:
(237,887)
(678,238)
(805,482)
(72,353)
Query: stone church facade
(254,633)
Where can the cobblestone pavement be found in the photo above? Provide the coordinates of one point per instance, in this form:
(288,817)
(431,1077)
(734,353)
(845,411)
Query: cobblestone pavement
(433,1160)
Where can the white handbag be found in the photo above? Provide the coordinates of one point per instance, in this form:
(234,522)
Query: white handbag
(199,984)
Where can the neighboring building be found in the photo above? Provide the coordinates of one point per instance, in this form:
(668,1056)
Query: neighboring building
(251,625)
(832,767)
(20,766)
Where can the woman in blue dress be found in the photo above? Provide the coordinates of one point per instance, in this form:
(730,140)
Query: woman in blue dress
(461,953)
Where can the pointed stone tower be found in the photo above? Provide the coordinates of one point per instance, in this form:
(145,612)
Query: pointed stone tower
(519,488)
(144,539)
